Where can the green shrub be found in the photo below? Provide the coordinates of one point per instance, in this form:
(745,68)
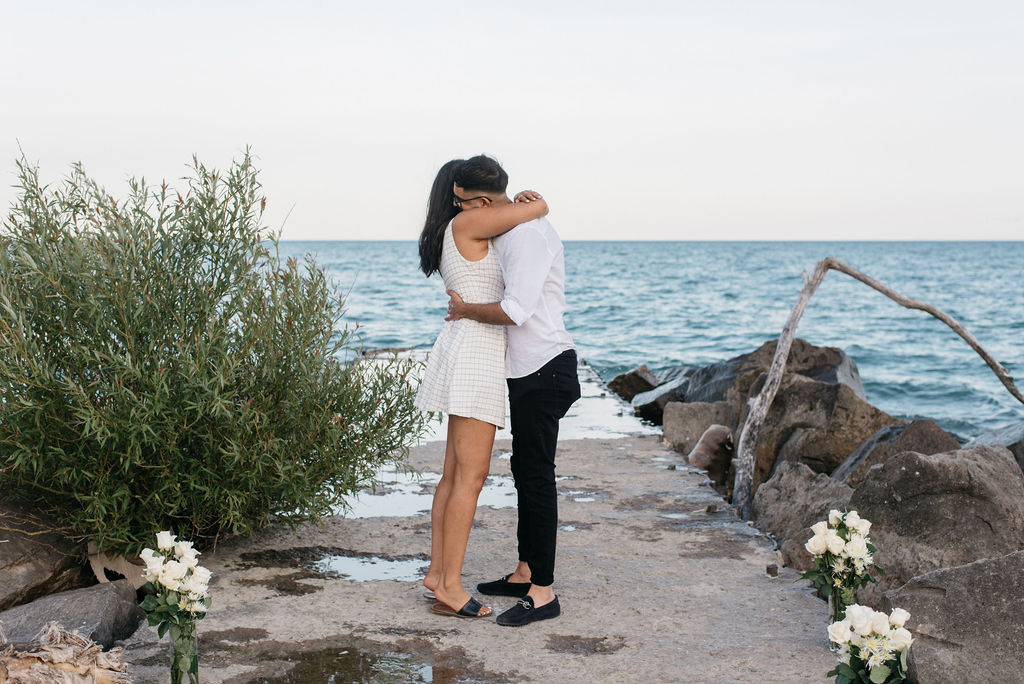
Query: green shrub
(161,368)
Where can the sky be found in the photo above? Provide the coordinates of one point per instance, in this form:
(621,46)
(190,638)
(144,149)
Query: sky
(674,120)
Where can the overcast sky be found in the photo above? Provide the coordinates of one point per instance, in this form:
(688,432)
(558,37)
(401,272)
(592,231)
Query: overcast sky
(715,120)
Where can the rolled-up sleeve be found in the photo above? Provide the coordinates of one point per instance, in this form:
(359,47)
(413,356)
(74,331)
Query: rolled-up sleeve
(525,262)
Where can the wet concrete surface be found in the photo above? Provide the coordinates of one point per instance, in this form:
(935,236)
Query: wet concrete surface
(658,579)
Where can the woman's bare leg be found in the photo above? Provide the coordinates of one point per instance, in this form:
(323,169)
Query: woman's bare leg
(441,494)
(473,441)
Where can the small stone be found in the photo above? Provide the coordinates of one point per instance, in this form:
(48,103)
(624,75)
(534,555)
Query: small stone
(671,466)
(772,570)
(712,508)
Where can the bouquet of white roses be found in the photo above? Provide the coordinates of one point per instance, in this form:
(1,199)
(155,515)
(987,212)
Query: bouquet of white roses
(844,556)
(872,646)
(178,596)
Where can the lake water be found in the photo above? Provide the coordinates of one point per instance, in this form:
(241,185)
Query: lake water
(691,303)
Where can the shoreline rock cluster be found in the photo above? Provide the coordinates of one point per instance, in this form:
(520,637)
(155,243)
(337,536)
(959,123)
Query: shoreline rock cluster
(948,516)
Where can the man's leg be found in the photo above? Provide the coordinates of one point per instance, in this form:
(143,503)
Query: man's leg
(540,400)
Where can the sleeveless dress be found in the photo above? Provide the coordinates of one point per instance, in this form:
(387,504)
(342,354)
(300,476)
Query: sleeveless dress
(465,374)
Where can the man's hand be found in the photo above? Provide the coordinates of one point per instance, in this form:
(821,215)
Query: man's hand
(455,305)
(526,196)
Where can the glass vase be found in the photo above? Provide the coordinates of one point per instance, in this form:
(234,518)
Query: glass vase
(836,607)
(184,653)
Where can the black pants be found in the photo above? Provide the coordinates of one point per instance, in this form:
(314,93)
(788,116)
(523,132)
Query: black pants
(537,401)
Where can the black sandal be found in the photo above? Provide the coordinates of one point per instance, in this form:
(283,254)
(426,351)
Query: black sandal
(471,609)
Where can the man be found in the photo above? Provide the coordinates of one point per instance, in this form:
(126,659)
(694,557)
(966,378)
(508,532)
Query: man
(542,385)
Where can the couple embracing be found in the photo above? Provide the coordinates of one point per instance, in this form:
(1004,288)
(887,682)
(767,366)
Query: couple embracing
(502,266)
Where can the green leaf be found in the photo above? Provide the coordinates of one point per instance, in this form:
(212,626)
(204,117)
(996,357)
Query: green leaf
(162,629)
(879,674)
(847,671)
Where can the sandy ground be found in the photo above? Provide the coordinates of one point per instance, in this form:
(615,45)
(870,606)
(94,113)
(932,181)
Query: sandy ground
(653,587)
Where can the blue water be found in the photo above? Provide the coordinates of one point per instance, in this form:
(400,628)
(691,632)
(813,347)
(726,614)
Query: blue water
(685,303)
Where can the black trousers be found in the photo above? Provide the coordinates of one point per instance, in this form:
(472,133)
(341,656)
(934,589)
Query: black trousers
(537,402)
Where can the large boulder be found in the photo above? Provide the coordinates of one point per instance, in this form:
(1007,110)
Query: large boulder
(941,510)
(966,621)
(628,385)
(683,423)
(790,502)
(104,613)
(735,377)
(651,405)
(1009,436)
(921,436)
(815,423)
(33,564)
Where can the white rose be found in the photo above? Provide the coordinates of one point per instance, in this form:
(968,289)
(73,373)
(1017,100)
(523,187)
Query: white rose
(863,527)
(839,632)
(879,623)
(859,618)
(202,573)
(834,542)
(172,574)
(816,545)
(165,541)
(852,519)
(900,638)
(835,517)
(819,527)
(184,548)
(856,547)
(189,560)
(146,556)
(154,568)
(898,617)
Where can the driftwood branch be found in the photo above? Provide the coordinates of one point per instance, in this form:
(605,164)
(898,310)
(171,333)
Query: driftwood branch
(743,488)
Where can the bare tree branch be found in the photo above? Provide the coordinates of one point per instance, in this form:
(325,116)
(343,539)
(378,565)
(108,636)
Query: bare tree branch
(743,487)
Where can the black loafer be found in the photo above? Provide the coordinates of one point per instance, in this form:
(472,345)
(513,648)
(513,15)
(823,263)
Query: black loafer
(523,613)
(503,587)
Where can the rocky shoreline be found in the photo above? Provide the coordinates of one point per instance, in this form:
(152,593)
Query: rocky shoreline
(948,513)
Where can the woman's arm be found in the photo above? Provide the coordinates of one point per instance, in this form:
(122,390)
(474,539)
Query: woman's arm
(487,222)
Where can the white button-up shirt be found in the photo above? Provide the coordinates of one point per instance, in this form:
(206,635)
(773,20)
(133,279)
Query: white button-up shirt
(534,270)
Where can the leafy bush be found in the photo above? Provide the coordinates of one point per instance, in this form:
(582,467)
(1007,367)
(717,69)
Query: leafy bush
(161,368)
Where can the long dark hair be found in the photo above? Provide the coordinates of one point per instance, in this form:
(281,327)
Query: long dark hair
(440,211)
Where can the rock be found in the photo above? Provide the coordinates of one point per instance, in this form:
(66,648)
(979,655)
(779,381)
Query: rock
(713,453)
(795,555)
(794,499)
(651,405)
(32,564)
(737,375)
(628,385)
(104,613)
(921,436)
(966,621)
(815,423)
(941,510)
(1009,436)
(684,423)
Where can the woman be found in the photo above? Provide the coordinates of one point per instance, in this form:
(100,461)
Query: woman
(465,374)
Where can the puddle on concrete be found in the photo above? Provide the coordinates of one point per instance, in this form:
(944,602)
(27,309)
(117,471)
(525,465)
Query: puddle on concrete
(370,568)
(345,665)
(583,495)
(324,562)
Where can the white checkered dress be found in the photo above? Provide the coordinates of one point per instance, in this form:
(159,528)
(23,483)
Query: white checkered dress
(465,373)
